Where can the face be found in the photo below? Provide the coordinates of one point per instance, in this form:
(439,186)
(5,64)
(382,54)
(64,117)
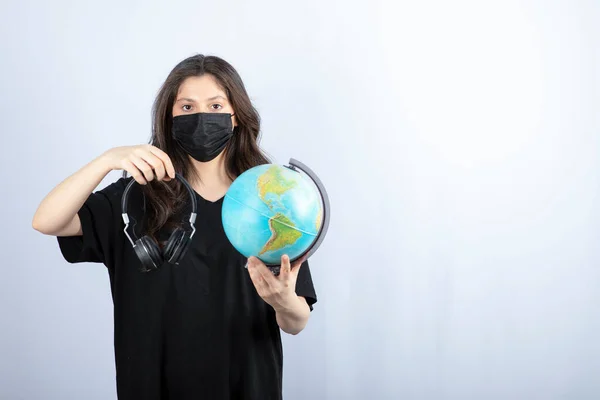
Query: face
(201,94)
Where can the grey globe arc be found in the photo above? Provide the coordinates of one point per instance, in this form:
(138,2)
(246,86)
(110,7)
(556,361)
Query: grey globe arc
(296,165)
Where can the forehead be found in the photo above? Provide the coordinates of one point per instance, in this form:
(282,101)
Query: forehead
(200,88)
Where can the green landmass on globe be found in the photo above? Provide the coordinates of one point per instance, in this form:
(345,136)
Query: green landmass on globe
(318,220)
(272,181)
(283,232)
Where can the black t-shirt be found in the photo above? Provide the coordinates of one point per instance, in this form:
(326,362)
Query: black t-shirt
(196,330)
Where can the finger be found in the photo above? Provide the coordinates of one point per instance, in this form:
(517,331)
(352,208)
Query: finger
(262,269)
(165,159)
(285,265)
(156,164)
(134,172)
(143,166)
(257,279)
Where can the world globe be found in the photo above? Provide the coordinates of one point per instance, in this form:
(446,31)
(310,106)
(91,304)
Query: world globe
(271,210)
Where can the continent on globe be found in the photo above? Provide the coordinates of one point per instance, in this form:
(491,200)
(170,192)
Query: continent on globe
(319,219)
(283,232)
(272,181)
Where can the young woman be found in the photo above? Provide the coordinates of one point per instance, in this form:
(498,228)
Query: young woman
(206,328)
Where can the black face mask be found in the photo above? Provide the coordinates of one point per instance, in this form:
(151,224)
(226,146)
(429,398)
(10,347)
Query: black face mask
(203,135)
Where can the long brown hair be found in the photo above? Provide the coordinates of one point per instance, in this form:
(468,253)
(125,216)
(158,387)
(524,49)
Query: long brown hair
(164,199)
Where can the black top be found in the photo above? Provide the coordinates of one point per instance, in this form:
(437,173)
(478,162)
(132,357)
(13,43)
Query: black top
(197,330)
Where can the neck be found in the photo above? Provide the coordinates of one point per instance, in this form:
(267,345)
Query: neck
(212,176)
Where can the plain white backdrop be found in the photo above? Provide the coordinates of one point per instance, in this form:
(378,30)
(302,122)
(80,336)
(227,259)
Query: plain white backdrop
(459,142)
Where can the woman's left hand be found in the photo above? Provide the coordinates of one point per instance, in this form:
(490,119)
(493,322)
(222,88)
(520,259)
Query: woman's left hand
(278,291)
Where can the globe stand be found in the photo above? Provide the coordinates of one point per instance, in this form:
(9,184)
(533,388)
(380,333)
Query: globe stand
(297,166)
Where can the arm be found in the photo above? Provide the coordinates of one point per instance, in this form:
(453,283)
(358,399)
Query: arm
(293,318)
(57,215)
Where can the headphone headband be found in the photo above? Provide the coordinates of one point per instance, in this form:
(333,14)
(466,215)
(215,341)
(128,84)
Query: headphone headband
(125,197)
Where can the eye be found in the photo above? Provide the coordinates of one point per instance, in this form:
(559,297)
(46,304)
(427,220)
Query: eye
(216,106)
(187,107)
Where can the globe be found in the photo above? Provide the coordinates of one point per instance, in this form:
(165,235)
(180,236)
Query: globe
(271,210)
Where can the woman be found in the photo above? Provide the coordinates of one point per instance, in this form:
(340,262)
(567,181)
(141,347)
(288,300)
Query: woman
(206,328)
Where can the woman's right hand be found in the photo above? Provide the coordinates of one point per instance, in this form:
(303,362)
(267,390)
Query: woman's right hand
(143,162)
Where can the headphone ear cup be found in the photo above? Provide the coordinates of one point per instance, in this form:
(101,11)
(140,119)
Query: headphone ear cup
(176,246)
(148,253)
(172,243)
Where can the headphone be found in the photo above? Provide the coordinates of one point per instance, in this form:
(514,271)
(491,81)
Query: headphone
(146,248)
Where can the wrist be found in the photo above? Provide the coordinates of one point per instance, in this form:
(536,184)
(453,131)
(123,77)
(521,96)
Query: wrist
(103,162)
(287,304)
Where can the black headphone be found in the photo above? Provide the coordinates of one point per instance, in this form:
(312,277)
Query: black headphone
(147,250)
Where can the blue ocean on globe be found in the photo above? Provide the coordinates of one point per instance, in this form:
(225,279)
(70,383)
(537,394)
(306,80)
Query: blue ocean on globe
(271,210)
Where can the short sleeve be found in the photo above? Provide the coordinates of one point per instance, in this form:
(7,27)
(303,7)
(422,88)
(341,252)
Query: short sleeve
(99,216)
(304,285)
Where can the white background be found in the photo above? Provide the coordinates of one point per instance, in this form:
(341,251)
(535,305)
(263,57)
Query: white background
(459,144)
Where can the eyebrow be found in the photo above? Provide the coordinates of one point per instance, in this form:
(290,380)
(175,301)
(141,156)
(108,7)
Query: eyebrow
(193,101)
(216,97)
